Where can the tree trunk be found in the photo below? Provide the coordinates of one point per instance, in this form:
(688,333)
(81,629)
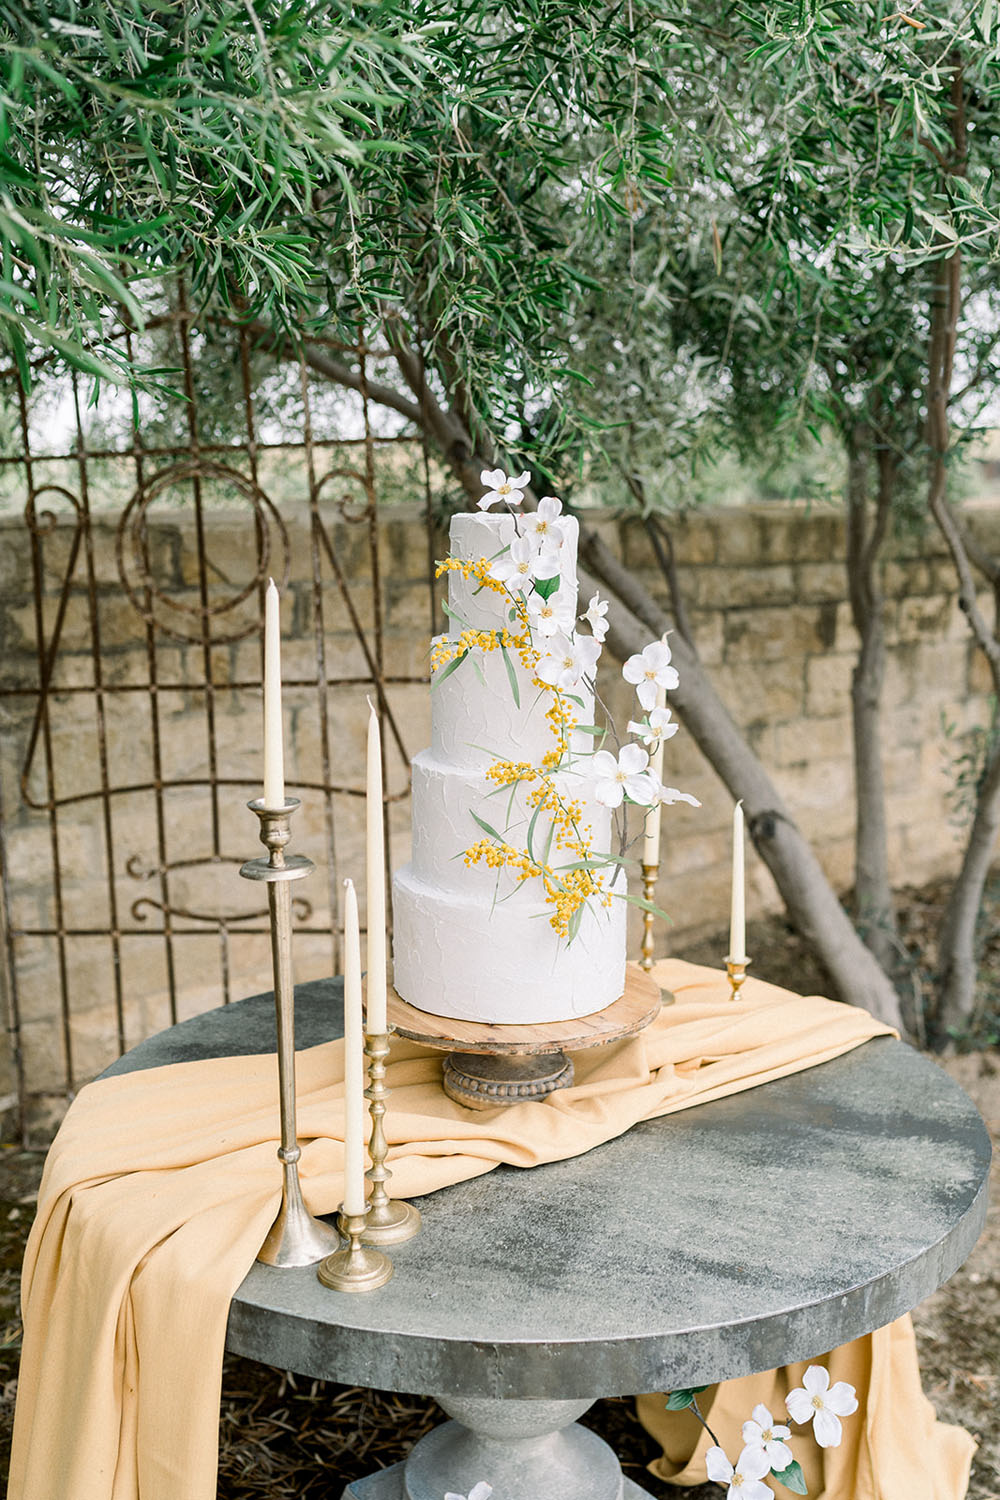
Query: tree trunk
(957,964)
(872,889)
(956,987)
(809,898)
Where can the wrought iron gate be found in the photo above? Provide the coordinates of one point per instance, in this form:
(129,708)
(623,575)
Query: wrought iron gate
(129,695)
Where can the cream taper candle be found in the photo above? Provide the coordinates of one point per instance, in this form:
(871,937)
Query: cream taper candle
(737,911)
(274,753)
(355,1113)
(651,828)
(376,1010)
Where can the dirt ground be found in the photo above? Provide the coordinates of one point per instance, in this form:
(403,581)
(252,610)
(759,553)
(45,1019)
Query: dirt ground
(286,1438)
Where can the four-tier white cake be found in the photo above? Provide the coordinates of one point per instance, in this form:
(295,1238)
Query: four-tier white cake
(473,942)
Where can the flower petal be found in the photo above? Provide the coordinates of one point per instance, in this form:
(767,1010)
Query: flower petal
(754,1490)
(717,1466)
(752,1463)
(481,1491)
(549,507)
(800,1407)
(645,692)
(520,482)
(841,1399)
(762,1416)
(753,1432)
(827,1429)
(633,758)
(633,670)
(816,1380)
(492,478)
(779,1455)
(609,793)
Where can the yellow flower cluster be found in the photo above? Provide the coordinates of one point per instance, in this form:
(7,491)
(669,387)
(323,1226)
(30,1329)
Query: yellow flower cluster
(487,640)
(565,890)
(499,856)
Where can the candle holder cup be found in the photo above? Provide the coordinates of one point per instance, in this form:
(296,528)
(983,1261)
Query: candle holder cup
(389,1221)
(295,1238)
(357,1267)
(736,968)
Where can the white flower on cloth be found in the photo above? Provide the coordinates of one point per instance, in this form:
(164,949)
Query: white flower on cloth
(743,1478)
(613,778)
(522,563)
(550,616)
(596,610)
(658,726)
(569,658)
(480,1491)
(650,669)
(823,1404)
(544,523)
(763,1432)
(500,489)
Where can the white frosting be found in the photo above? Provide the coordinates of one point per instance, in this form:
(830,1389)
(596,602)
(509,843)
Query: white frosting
(470,942)
(464,957)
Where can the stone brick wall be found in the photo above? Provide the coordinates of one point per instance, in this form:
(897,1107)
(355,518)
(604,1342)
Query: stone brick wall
(766,594)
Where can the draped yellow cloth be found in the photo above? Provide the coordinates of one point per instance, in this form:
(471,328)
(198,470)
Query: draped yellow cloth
(161,1185)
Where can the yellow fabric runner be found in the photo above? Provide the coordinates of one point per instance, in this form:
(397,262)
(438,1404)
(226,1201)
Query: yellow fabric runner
(161,1186)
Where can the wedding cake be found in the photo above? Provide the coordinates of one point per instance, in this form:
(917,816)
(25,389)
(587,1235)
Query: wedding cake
(498,918)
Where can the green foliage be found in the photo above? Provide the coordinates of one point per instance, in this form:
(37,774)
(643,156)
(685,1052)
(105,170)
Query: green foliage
(682,1399)
(141,137)
(792,1478)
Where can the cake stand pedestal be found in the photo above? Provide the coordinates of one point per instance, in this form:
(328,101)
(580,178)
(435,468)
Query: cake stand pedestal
(490,1066)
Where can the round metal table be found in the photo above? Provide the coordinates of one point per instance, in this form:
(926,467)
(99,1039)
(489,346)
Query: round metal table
(739,1235)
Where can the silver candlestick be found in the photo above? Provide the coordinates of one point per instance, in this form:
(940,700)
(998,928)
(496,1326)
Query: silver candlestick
(295,1238)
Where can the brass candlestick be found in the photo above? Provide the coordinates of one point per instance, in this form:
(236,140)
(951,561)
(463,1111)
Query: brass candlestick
(295,1238)
(389,1220)
(649,874)
(736,968)
(358,1267)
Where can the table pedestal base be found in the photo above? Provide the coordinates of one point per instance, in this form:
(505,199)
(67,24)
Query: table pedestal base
(527,1450)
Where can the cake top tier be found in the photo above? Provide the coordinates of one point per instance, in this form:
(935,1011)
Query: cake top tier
(475,536)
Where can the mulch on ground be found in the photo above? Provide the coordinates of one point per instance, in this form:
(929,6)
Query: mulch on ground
(282,1435)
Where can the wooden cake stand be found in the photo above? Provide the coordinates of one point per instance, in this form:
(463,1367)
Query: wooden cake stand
(489,1065)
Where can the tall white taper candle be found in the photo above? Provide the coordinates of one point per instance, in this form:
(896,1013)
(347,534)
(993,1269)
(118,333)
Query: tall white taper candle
(737,911)
(354,1060)
(376,1012)
(274,754)
(651,828)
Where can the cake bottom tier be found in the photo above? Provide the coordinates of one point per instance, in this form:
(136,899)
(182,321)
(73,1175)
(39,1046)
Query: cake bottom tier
(468,959)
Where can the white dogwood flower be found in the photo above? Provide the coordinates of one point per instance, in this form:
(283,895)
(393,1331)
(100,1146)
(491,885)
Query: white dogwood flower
(596,610)
(654,729)
(613,778)
(522,563)
(650,669)
(550,616)
(544,523)
(480,1491)
(763,1432)
(823,1404)
(743,1478)
(500,489)
(568,659)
